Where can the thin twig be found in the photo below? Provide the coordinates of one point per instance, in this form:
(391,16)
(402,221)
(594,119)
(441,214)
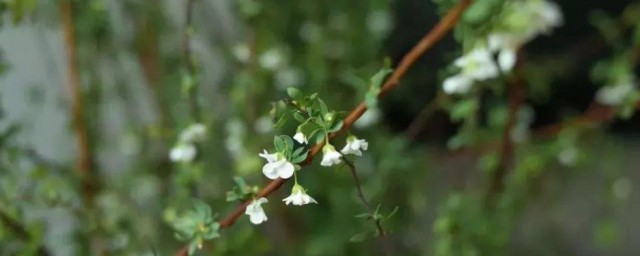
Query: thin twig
(190,61)
(415,127)
(428,41)
(364,201)
(385,243)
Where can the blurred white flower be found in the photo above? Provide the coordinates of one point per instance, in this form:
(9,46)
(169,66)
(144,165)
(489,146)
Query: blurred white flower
(235,131)
(506,45)
(378,22)
(255,211)
(545,15)
(310,32)
(622,188)
(477,64)
(354,146)
(369,118)
(331,156)
(300,137)
(568,156)
(288,77)
(183,152)
(193,133)
(615,95)
(457,84)
(299,196)
(241,52)
(272,59)
(277,166)
(263,125)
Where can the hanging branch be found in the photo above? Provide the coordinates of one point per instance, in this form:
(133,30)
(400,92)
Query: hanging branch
(189,60)
(74,93)
(506,150)
(356,180)
(21,232)
(428,41)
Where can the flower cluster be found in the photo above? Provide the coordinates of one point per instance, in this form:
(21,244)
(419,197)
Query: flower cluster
(185,149)
(316,122)
(522,22)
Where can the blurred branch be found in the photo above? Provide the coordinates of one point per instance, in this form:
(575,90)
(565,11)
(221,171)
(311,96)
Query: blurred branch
(506,151)
(74,92)
(190,61)
(428,41)
(20,231)
(84,163)
(418,123)
(385,243)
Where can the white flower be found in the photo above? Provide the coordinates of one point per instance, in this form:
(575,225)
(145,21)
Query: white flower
(183,152)
(276,166)
(241,52)
(193,133)
(299,196)
(371,117)
(547,15)
(533,17)
(354,145)
(288,77)
(331,156)
(616,94)
(300,137)
(457,84)
(378,23)
(477,64)
(272,59)
(255,211)
(263,125)
(506,45)
(568,156)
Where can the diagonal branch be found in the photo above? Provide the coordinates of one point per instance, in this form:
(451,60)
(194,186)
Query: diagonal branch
(428,41)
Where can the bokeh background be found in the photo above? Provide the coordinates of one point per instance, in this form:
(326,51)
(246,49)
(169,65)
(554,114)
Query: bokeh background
(571,193)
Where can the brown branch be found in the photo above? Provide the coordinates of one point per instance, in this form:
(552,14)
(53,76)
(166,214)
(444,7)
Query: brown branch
(74,91)
(506,150)
(428,41)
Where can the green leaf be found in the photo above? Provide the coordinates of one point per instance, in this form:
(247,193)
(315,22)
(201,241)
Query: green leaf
(295,94)
(337,126)
(323,107)
(395,210)
(299,117)
(279,144)
(320,137)
(359,237)
(363,215)
(371,99)
(376,81)
(300,158)
(463,109)
(289,142)
(193,247)
(240,182)
(281,121)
